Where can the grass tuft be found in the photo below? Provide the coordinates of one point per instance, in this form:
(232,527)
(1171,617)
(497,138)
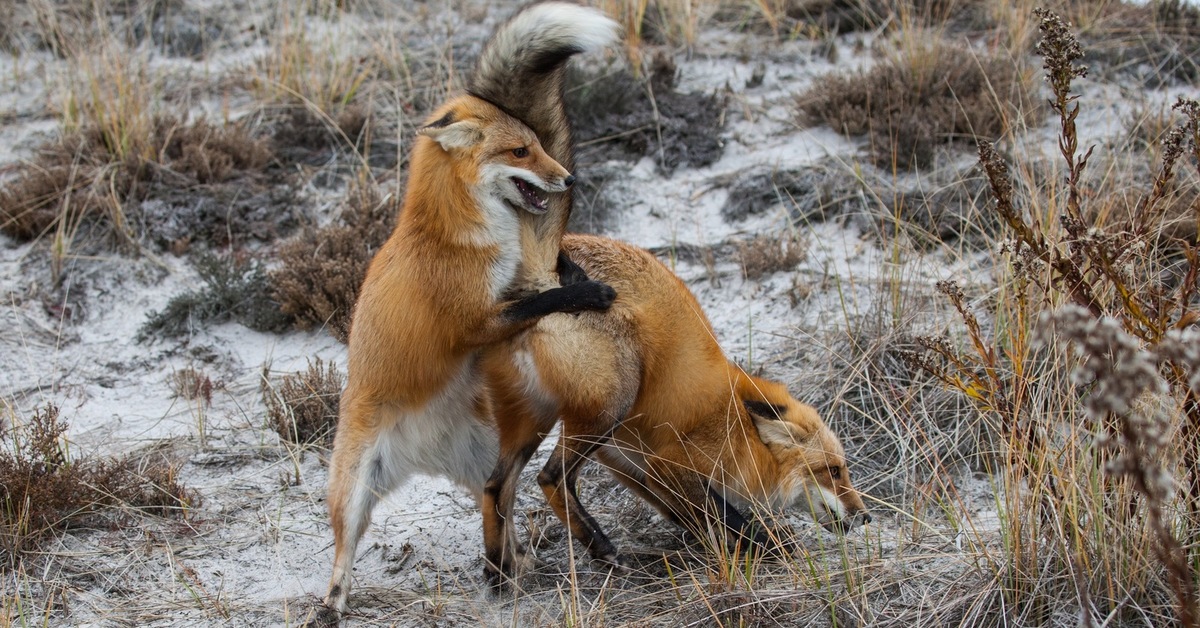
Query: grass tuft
(766,254)
(44,490)
(925,98)
(303,407)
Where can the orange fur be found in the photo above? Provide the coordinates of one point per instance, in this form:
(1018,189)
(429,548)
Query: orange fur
(431,299)
(646,389)
(469,264)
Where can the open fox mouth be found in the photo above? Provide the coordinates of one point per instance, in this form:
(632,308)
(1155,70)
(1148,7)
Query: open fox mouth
(534,201)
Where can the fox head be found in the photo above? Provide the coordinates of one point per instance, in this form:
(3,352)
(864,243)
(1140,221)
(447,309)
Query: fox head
(810,459)
(496,153)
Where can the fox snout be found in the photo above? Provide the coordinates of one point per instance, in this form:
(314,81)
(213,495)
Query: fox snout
(838,509)
(852,520)
(559,183)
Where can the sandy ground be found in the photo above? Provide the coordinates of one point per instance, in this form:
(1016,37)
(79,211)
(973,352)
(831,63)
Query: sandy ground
(258,550)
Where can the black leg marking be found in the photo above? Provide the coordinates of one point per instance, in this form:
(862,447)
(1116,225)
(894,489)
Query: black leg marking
(568,271)
(736,522)
(579,297)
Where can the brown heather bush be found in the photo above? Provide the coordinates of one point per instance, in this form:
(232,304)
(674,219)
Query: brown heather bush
(303,407)
(193,385)
(764,255)
(322,269)
(96,177)
(1096,409)
(925,98)
(44,491)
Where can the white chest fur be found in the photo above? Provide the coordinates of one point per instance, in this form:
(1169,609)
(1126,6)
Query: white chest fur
(501,230)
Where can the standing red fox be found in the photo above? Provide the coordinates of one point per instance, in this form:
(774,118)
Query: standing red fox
(435,294)
(646,388)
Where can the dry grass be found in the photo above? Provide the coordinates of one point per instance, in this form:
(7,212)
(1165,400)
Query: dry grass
(926,97)
(90,188)
(322,269)
(1001,495)
(45,490)
(312,67)
(1157,43)
(303,407)
(767,254)
(1098,436)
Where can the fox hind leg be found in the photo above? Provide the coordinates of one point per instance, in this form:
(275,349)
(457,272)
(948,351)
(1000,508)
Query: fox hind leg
(523,417)
(362,471)
(559,481)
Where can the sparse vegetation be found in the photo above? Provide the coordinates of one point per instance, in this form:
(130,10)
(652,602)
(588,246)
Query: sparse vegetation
(1007,349)
(926,97)
(322,269)
(303,407)
(44,489)
(1115,438)
(234,290)
(98,187)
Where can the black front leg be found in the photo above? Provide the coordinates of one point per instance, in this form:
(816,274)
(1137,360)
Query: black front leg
(743,528)
(568,271)
(578,297)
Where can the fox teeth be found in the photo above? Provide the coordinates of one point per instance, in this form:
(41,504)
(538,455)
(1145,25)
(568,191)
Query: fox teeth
(529,194)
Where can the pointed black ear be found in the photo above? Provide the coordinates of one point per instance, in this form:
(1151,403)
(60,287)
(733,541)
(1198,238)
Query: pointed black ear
(453,134)
(442,121)
(764,409)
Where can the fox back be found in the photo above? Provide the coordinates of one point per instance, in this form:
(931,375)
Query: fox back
(691,406)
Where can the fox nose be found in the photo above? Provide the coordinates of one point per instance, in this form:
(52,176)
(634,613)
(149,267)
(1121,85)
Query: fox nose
(570,180)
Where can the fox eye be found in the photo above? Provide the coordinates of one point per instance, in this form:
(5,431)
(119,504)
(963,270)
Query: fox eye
(835,473)
(520,153)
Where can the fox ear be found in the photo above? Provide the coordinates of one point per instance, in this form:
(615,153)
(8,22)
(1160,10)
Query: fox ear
(764,409)
(452,135)
(772,428)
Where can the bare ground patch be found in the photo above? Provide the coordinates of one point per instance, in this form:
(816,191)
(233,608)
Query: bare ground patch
(617,116)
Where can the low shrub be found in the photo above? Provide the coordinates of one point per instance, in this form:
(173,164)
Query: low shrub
(925,98)
(303,407)
(234,290)
(44,490)
(322,269)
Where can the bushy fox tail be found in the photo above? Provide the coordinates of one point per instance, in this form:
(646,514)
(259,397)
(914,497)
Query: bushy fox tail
(521,72)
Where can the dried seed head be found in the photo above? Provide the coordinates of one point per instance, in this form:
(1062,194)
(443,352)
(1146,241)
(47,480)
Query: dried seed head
(1059,50)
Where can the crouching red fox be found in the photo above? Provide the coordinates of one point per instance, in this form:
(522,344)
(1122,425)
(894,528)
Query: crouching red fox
(645,389)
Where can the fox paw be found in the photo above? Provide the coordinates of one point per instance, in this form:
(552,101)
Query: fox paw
(615,561)
(497,580)
(324,617)
(592,295)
